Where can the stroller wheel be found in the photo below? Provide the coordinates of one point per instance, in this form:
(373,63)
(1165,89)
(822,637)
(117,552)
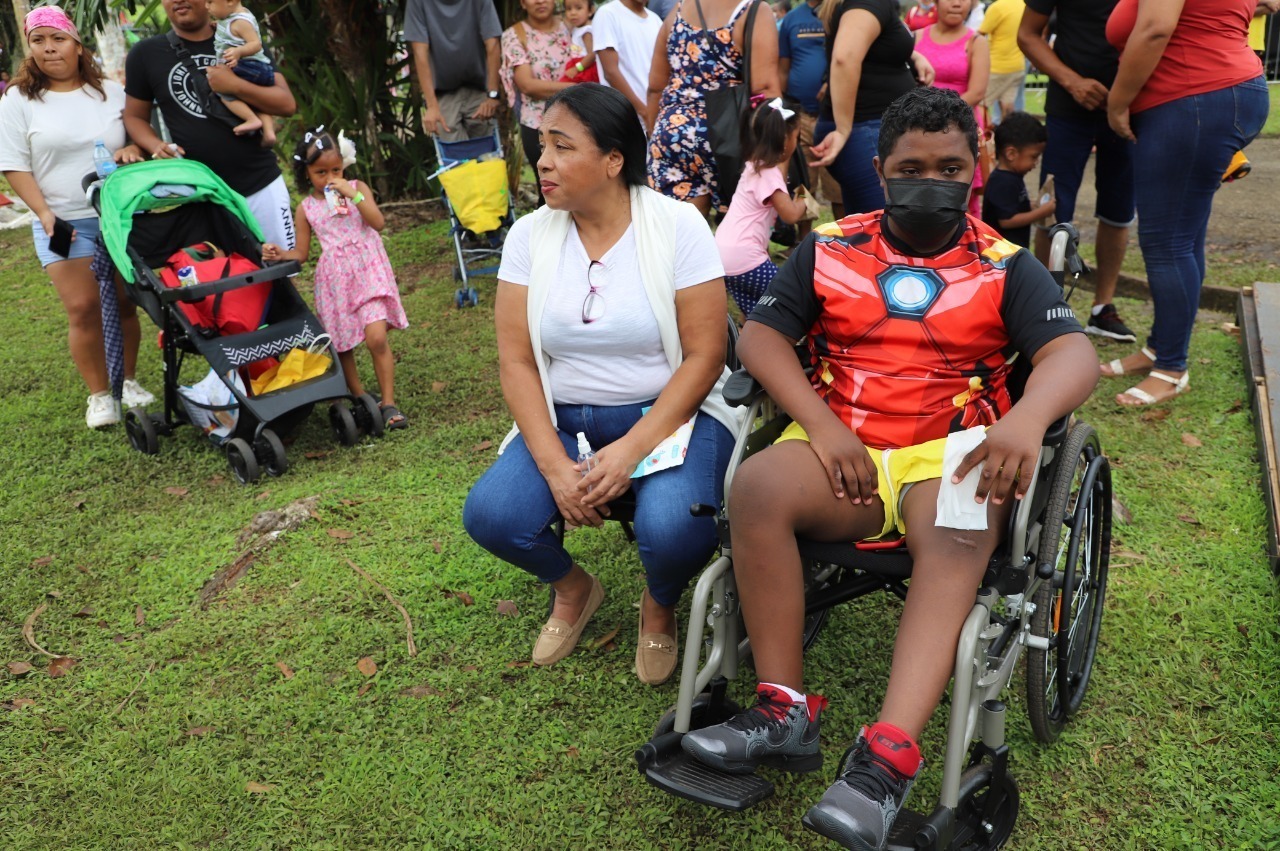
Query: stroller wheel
(343,424)
(473,296)
(244,466)
(369,415)
(460,298)
(269,450)
(141,430)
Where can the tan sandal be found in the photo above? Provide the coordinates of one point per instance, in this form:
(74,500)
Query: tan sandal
(559,637)
(655,652)
(1117,366)
(1180,386)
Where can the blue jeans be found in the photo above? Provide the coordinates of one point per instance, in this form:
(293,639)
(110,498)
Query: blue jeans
(853,170)
(1070,142)
(510,511)
(1183,148)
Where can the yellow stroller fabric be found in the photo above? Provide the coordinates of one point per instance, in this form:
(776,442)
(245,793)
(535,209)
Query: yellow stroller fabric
(477,191)
(296,366)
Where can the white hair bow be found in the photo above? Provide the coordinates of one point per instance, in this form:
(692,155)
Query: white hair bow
(347,149)
(776,103)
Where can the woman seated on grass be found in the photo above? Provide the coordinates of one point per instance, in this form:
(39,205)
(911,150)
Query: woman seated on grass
(611,304)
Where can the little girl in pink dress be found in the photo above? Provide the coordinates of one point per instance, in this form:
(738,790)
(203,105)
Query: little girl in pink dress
(355,288)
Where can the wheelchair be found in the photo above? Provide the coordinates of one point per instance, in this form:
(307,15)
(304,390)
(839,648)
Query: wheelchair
(1042,594)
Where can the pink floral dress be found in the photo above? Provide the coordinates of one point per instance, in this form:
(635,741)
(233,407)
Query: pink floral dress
(546,54)
(354,282)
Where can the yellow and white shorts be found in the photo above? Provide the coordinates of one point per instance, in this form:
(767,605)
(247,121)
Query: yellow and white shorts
(896,471)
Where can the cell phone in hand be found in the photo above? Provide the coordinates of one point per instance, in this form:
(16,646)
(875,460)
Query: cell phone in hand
(60,239)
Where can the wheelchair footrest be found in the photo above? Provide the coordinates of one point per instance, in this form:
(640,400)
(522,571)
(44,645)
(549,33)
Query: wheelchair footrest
(681,774)
(905,829)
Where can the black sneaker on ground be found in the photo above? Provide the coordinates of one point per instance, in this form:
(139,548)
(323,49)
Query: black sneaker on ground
(1106,323)
(775,732)
(859,809)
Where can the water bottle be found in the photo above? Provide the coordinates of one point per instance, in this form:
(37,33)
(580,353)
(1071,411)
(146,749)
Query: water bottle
(187,276)
(586,455)
(103,162)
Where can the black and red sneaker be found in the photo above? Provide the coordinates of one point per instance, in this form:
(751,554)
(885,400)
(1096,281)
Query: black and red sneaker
(776,732)
(859,809)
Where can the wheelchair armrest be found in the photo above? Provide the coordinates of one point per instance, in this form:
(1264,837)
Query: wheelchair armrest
(1057,431)
(740,388)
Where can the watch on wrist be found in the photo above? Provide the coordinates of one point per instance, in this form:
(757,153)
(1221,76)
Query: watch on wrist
(493,94)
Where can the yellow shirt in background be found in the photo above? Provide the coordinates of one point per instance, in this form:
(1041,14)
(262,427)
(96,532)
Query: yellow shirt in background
(1258,33)
(1001,24)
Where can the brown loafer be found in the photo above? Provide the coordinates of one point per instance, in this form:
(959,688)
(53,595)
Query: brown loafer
(655,652)
(558,637)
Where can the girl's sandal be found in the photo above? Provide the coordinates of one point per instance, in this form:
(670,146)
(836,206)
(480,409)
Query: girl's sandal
(392,418)
(1116,366)
(1144,399)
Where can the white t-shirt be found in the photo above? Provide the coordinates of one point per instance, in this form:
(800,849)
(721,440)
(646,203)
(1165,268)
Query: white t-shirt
(618,359)
(616,26)
(578,37)
(53,140)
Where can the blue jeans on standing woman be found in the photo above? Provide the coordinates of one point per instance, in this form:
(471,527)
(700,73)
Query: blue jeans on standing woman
(1183,148)
(852,169)
(510,511)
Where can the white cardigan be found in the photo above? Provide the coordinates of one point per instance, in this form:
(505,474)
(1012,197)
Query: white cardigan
(654,217)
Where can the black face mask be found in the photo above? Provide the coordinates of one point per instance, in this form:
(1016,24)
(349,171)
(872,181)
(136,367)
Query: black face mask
(928,210)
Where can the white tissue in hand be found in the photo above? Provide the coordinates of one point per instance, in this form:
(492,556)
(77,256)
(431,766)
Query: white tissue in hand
(957,508)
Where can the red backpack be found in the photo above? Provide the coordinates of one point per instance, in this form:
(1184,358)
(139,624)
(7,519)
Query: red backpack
(234,312)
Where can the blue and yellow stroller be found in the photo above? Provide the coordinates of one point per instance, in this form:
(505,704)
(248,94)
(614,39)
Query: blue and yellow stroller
(473,183)
(151,210)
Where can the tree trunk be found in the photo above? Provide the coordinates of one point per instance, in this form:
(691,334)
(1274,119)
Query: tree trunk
(20,10)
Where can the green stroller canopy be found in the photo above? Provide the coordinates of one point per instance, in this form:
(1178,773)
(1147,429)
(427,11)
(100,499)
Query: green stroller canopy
(127,191)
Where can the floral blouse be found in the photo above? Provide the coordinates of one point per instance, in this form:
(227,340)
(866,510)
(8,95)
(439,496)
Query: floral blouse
(546,54)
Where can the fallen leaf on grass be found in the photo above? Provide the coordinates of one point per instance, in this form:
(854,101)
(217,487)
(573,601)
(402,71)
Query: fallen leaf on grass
(1154,415)
(43,561)
(462,596)
(1213,740)
(1121,511)
(348,502)
(256,788)
(1243,629)
(1126,554)
(420,691)
(316,455)
(508,608)
(438,386)
(22,702)
(199,731)
(78,505)
(1189,518)
(1191,440)
(176,491)
(1235,407)
(139,616)
(86,612)
(341,534)
(19,669)
(286,670)
(482,446)
(470,668)
(360,692)
(605,639)
(519,663)
(263,495)
(217,479)
(367,666)
(60,666)
(57,595)
(573,752)
(435,546)
(610,647)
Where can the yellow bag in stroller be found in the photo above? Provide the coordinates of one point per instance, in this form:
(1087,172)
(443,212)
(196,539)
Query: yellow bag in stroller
(477,191)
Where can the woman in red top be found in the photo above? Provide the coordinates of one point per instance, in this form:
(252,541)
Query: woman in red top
(1191,93)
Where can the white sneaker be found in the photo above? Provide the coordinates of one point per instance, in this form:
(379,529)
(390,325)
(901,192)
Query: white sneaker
(103,411)
(134,396)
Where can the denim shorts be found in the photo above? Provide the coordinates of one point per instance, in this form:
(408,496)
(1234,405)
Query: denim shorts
(84,244)
(258,73)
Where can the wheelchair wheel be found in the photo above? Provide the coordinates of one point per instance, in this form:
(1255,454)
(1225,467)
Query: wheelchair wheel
(1076,540)
(986,815)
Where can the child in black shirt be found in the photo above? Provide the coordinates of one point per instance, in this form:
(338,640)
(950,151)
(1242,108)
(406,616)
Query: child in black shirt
(1020,140)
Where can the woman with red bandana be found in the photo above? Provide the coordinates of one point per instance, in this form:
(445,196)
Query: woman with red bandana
(59,106)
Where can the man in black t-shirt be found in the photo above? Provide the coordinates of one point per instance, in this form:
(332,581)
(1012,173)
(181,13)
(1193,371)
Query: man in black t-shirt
(156,76)
(1082,66)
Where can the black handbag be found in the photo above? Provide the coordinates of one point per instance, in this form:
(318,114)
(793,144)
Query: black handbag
(726,108)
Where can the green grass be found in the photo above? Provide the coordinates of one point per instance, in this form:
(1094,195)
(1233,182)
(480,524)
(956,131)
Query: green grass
(152,738)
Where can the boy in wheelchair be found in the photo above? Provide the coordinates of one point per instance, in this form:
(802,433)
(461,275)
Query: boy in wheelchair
(912,317)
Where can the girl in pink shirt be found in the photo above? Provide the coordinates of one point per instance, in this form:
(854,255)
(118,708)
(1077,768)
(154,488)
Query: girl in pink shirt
(761,198)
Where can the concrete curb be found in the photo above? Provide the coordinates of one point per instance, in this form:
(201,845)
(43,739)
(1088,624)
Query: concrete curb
(1221,299)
